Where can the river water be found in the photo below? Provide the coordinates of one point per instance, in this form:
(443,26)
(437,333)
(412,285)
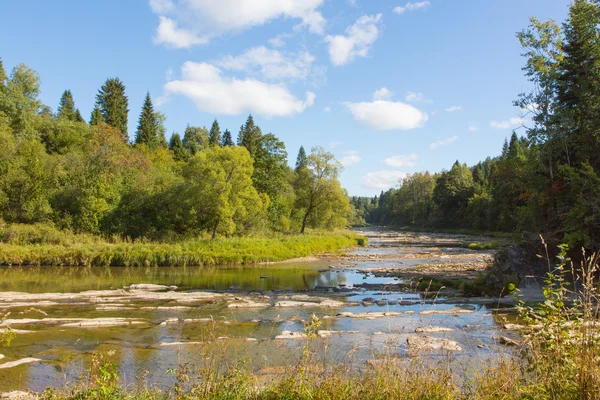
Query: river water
(224,315)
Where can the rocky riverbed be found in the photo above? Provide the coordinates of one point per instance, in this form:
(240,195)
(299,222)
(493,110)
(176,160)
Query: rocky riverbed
(158,318)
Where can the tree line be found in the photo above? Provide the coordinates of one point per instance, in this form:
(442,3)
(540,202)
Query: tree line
(57,168)
(547,181)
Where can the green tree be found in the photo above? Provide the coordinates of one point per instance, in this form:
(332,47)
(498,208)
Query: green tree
(176,146)
(451,194)
(66,106)
(78,117)
(249,136)
(195,139)
(214,137)
(113,103)
(219,189)
(147,132)
(96,116)
(161,130)
(19,100)
(227,139)
(320,200)
(301,159)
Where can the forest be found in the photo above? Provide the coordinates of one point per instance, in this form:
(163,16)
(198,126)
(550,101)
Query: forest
(545,181)
(88,178)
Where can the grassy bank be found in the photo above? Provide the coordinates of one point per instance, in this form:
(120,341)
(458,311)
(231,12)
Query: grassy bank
(42,245)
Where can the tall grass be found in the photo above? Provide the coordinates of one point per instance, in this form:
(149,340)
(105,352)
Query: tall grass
(41,245)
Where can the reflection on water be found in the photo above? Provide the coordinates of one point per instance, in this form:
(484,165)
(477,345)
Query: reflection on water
(147,350)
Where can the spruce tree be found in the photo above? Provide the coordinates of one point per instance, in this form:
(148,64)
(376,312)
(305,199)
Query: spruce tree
(227,139)
(113,104)
(96,118)
(250,136)
(161,130)
(176,146)
(301,159)
(240,137)
(147,125)
(66,106)
(3,76)
(77,116)
(214,137)
(189,140)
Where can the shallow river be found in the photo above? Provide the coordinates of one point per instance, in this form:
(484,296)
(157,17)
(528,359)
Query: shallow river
(224,315)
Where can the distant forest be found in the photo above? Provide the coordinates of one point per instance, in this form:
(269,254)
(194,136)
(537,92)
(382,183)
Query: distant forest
(546,181)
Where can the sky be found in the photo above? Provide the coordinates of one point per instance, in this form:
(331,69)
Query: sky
(390,87)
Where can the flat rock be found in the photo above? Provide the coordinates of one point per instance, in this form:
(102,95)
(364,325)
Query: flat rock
(431,343)
(326,333)
(248,304)
(150,287)
(457,310)
(506,341)
(18,395)
(13,364)
(433,329)
(291,335)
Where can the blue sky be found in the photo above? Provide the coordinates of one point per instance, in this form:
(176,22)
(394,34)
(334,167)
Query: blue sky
(389,86)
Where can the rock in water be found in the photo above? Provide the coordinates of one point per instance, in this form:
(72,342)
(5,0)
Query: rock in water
(431,343)
(433,329)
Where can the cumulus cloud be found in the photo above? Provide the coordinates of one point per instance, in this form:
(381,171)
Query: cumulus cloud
(271,64)
(350,157)
(443,142)
(382,179)
(327,109)
(417,97)
(169,34)
(335,143)
(215,93)
(382,94)
(185,23)
(454,108)
(385,115)
(356,42)
(412,6)
(514,122)
(473,128)
(402,161)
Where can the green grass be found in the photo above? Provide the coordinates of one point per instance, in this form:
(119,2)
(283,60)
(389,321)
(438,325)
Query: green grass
(492,245)
(40,245)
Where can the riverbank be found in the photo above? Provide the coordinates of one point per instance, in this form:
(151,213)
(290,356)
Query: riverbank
(52,247)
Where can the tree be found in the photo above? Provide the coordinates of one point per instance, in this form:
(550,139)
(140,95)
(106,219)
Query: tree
(147,125)
(161,130)
(214,137)
(19,100)
(301,159)
(78,117)
(195,139)
(66,107)
(218,188)
(96,116)
(451,194)
(249,136)
(113,104)
(320,200)
(227,139)
(176,146)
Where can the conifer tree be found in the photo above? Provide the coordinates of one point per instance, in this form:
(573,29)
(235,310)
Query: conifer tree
(301,159)
(66,106)
(147,126)
(113,104)
(96,118)
(214,137)
(77,116)
(176,146)
(3,76)
(250,136)
(227,139)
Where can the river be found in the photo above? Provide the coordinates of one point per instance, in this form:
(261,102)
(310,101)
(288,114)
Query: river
(255,314)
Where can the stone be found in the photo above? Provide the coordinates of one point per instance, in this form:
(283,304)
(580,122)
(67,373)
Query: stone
(433,329)
(18,395)
(291,335)
(456,310)
(431,343)
(150,287)
(22,361)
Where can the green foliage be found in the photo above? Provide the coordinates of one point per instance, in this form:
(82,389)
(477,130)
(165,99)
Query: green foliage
(147,129)
(66,107)
(227,139)
(214,136)
(176,146)
(112,102)
(96,117)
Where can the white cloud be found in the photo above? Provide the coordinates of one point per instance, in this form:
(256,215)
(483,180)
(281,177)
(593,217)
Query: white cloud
(335,143)
(454,108)
(357,41)
(279,40)
(350,157)
(186,23)
(417,97)
(387,115)
(514,122)
(417,5)
(402,161)
(473,128)
(443,142)
(271,64)
(382,179)
(169,34)
(215,93)
(327,109)
(382,94)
